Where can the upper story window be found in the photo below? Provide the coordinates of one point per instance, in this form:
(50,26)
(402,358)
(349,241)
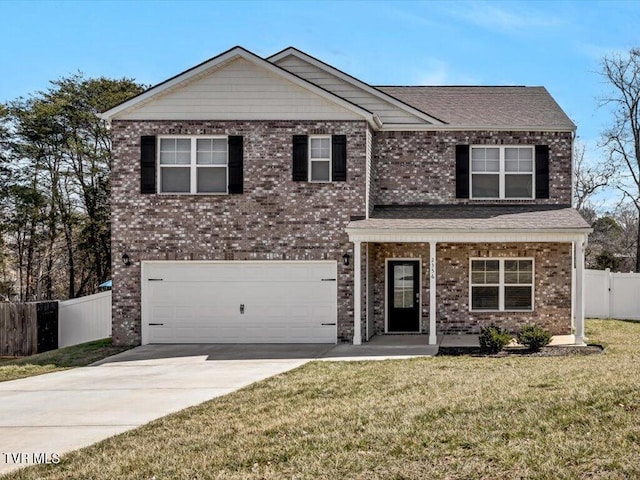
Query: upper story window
(193,165)
(499,172)
(319,159)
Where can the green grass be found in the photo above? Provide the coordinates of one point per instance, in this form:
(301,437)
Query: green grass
(54,360)
(568,417)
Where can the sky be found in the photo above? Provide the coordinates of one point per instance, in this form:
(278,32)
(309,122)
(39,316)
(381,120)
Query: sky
(558,45)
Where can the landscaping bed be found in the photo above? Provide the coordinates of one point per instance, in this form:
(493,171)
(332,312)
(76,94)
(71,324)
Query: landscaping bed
(549,351)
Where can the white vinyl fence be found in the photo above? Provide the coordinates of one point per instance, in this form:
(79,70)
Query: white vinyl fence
(84,319)
(612,295)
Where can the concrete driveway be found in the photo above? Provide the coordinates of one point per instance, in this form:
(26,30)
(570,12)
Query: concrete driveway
(45,416)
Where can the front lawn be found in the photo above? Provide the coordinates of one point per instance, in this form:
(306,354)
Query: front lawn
(60,359)
(437,418)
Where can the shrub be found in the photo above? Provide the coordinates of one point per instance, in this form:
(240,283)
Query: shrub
(493,339)
(534,337)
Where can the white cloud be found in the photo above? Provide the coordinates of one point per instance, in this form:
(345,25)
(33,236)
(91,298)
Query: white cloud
(506,18)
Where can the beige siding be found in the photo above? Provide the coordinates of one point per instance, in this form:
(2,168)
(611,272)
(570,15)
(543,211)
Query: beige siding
(239,90)
(388,113)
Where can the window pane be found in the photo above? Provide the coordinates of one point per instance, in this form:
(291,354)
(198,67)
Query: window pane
(511,166)
(525,265)
(493,165)
(526,166)
(518,186)
(485,186)
(403,286)
(517,298)
(175,180)
(510,265)
(478,165)
(477,265)
(493,153)
(167,158)
(320,148)
(477,277)
(492,277)
(525,153)
(510,277)
(525,277)
(212,180)
(492,265)
(477,154)
(204,157)
(511,154)
(320,171)
(484,298)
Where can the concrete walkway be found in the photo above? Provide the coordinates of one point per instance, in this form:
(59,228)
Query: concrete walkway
(62,411)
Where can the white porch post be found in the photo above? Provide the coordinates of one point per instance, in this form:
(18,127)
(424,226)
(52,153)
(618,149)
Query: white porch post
(433,339)
(579,292)
(357,294)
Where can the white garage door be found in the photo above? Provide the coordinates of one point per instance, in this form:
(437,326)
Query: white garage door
(239,302)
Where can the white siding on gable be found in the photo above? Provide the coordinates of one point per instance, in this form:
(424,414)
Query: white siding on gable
(239,90)
(386,111)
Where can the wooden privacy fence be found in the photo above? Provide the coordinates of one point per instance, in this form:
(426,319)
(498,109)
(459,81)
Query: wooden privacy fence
(28,328)
(612,295)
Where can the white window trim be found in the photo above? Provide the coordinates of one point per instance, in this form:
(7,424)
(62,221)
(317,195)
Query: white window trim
(501,285)
(330,159)
(193,165)
(502,172)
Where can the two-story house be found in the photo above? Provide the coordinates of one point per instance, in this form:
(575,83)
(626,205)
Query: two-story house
(282,200)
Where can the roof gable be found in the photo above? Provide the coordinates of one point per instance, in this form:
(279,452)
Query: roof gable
(237,84)
(389,108)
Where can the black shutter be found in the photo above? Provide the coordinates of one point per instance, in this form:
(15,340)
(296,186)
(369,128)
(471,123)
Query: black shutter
(339,158)
(148,164)
(462,171)
(236,157)
(300,158)
(542,171)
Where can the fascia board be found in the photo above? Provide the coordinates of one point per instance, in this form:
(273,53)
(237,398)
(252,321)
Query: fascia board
(413,127)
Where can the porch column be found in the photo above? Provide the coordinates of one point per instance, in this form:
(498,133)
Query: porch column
(433,339)
(579,292)
(357,294)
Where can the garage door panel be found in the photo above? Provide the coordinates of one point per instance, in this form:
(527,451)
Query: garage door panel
(201,302)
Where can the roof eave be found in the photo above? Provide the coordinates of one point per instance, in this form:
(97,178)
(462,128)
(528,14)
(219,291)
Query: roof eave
(390,127)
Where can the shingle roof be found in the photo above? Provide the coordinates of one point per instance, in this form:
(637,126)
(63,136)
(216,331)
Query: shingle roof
(464,218)
(475,106)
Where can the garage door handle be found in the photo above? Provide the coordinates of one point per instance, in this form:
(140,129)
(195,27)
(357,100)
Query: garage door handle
(156,324)
(327,324)
(156,279)
(328,280)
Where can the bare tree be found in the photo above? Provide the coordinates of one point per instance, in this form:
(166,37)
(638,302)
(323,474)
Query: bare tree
(622,139)
(589,178)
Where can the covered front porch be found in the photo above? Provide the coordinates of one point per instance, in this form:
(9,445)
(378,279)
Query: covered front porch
(441,273)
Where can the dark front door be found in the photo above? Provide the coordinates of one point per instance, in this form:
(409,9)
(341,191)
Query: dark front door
(403,296)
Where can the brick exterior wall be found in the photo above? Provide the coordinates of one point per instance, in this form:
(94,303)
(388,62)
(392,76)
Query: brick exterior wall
(420,167)
(552,285)
(275,218)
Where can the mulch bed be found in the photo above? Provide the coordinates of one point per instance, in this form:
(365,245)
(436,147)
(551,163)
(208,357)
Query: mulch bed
(554,351)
